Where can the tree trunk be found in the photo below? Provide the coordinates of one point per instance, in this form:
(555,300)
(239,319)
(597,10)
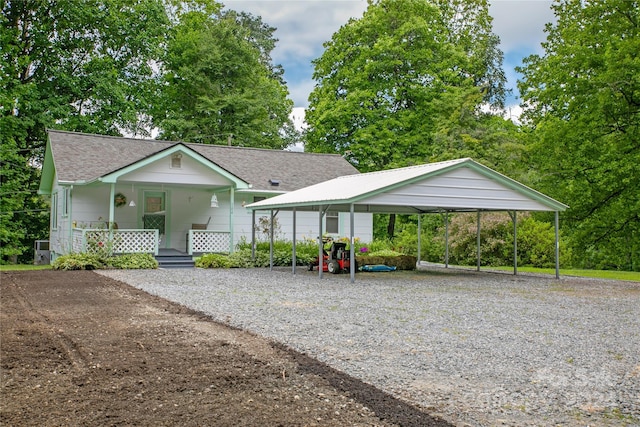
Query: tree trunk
(391,227)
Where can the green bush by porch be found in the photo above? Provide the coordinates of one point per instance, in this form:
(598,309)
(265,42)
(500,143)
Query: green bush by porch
(88,261)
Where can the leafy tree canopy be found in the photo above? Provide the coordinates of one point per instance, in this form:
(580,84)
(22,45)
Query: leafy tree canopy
(582,99)
(220,85)
(389,81)
(74,65)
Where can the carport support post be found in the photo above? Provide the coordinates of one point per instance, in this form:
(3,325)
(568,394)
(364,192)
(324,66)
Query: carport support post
(557,226)
(293,249)
(320,257)
(271,241)
(446,239)
(352,250)
(515,241)
(253,235)
(478,250)
(419,235)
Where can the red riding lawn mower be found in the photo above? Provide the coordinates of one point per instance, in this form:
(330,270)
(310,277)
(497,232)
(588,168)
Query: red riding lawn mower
(336,259)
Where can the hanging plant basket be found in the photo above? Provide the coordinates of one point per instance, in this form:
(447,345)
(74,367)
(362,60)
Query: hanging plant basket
(119,200)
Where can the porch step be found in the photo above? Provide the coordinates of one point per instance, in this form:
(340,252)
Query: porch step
(175,261)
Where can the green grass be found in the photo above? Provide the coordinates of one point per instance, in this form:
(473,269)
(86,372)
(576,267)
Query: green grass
(598,274)
(23,267)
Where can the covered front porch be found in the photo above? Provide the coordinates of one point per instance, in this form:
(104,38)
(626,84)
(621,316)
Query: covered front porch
(143,217)
(117,241)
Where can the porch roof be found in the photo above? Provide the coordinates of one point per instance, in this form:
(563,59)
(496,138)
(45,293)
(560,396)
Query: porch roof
(78,158)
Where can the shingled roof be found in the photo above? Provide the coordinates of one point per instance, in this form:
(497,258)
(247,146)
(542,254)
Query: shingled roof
(79,157)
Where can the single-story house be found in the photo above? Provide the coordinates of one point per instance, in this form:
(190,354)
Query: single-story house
(137,195)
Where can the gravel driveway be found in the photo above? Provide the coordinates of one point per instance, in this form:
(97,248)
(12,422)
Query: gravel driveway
(477,349)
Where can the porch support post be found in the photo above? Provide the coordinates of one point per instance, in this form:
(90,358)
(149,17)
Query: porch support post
(253,235)
(557,227)
(419,237)
(231,216)
(446,239)
(70,207)
(352,249)
(112,195)
(293,248)
(478,238)
(271,241)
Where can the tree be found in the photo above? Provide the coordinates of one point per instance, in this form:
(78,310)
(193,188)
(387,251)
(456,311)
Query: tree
(393,83)
(582,100)
(74,65)
(221,86)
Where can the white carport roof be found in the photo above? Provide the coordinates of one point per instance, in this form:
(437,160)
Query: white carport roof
(456,185)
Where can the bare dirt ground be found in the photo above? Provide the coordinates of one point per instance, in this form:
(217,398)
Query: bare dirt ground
(77,348)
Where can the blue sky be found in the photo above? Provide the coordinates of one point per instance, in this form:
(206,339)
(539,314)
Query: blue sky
(304,25)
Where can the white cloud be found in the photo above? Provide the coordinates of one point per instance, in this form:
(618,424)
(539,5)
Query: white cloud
(302,26)
(299,90)
(520,23)
(297,115)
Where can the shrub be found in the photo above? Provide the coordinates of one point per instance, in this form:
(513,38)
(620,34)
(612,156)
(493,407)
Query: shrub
(535,240)
(306,251)
(385,253)
(132,261)
(213,261)
(242,259)
(78,261)
(406,242)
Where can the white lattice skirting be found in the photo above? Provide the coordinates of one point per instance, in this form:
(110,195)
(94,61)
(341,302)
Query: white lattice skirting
(208,241)
(122,242)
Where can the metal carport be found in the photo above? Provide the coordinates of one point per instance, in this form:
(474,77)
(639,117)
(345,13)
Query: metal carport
(461,185)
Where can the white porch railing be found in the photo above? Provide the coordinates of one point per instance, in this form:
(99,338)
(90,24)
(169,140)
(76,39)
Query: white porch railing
(208,241)
(115,241)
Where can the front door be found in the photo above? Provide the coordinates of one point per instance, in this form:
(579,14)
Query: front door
(155,214)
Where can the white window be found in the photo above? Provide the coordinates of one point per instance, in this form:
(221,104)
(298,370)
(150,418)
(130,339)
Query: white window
(331,225)
(54,211)
(66,199)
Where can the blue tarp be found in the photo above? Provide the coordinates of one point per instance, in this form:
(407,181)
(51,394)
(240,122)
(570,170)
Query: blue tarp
(377,268)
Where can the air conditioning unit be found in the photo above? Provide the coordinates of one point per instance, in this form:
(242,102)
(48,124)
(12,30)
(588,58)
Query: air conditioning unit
(42,255)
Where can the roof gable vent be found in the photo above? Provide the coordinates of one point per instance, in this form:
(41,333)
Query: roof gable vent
(176,161)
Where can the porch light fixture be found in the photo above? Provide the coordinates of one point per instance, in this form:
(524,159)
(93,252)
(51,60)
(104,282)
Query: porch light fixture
(214,201)
(132,203)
